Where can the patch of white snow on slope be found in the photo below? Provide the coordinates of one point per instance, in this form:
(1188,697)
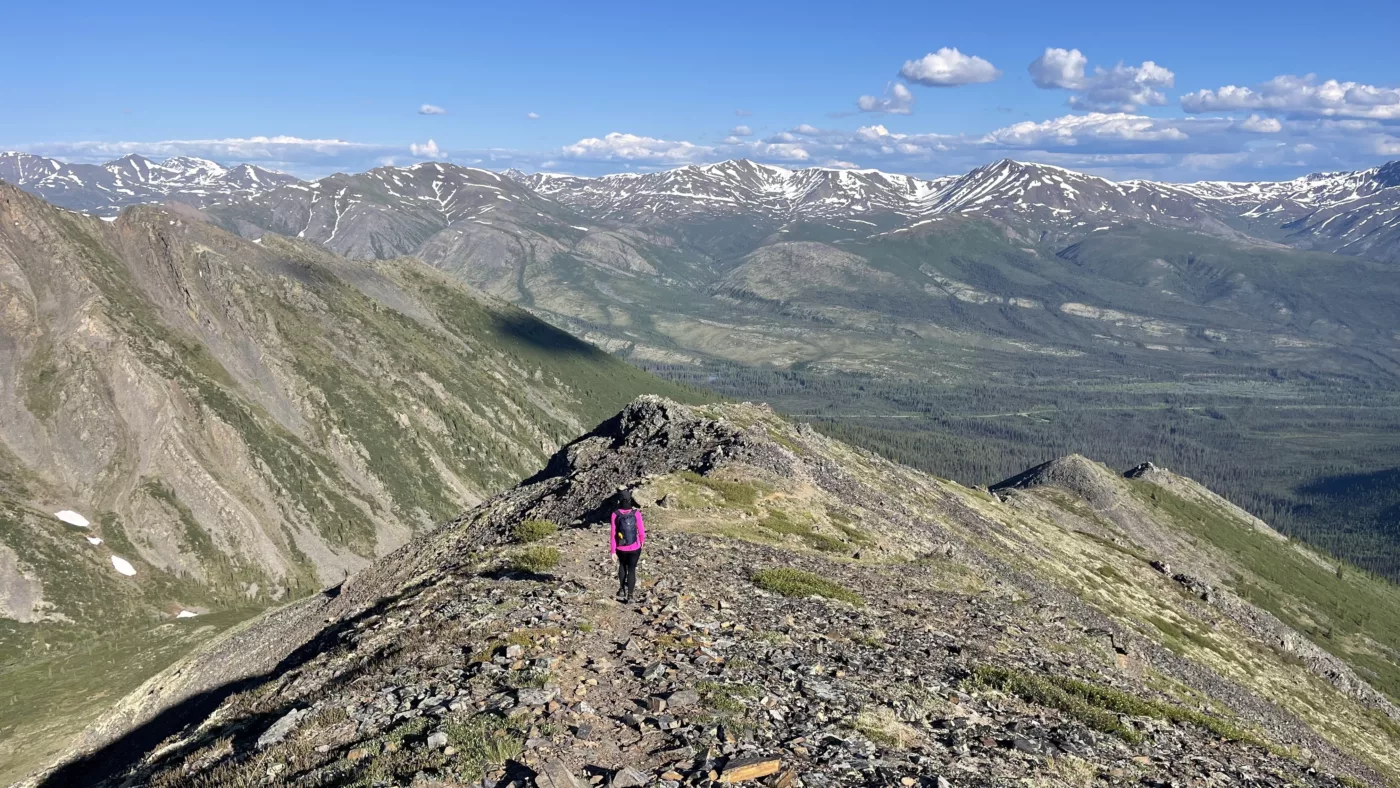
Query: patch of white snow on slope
(72,518)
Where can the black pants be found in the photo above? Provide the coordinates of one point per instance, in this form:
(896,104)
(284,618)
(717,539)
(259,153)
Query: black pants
(627,571)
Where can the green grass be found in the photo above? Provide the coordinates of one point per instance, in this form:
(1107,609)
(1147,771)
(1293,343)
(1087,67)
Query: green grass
(779,524)
(1331,610)
(1099,707)
(726,698)
(734,493)
(45,702)
(535,559)
(533,531)
(43,383)
(483,742)
(796,583)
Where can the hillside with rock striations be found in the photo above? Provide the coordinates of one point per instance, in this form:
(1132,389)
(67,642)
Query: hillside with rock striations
(810,615)
(194,426)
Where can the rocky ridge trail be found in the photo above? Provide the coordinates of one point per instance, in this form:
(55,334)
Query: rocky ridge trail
(809,616)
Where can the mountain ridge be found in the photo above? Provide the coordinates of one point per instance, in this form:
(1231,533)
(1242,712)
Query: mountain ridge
(792,633)
(236,423)
(1021,192)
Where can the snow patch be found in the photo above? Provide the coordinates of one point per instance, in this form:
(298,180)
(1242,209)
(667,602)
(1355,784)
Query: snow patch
(94,540)
(72,518)
(185,614)
(123,566)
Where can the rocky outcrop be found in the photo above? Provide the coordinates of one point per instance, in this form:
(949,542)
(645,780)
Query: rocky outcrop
(1075,474)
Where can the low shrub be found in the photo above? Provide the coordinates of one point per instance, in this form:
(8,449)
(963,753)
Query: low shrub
(533,531)
(535,558)
(796,583)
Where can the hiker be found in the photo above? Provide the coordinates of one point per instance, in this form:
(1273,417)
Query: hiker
(627,537)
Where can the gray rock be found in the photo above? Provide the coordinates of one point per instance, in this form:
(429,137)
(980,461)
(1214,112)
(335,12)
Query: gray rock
(628,777)
(683,699)
(437,740)
(554,774)
(282,728)
(535,696)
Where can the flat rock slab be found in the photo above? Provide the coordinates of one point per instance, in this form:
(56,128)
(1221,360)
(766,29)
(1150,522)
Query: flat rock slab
(554,774)
(742,769)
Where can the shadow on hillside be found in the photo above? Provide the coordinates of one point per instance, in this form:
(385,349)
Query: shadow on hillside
(127,750)
(539,335)
(507,573)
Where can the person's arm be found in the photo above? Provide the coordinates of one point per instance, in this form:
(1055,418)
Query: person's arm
(612,534)
(641,531)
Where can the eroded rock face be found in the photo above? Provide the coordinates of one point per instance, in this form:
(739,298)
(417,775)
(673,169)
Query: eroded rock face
(21,592)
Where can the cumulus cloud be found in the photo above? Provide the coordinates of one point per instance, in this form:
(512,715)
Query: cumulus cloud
(1059,68)
(741,131)
(1070,130)
(1260,125)
(947,68)
(428,150)
(1301,97)
(634,148)
(1122,88)
(1387,146)
(898,100)
(292,154)
(532,115)
(431,109)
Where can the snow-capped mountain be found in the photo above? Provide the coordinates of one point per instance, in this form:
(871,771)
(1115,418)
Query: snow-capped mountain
(740,187)
(104,189)
(1054,200)
(385,212)
(1045,200)
(1354,213)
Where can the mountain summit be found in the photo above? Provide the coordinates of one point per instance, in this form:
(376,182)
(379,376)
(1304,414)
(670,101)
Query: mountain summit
(809,613)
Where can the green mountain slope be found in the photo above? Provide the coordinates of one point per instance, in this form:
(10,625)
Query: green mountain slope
(243,423)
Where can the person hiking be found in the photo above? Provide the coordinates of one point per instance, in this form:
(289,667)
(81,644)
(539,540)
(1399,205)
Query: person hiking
(626,538)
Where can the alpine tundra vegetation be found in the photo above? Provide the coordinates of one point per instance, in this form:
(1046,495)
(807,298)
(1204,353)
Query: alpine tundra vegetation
(1074,625)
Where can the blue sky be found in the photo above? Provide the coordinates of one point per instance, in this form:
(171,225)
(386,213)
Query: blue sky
(316,87)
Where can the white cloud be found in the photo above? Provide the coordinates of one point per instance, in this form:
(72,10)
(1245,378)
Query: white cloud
(898,100)
(837,164)
(743,113)
(1260,125)
(1386,146)
(431,109)
(1301,97)
(872,133)
(783,151)
(1071,130)
(1119,89)
(634,148)
(532,115)
(428,150)
(1059,68)
(741,131)
(948,67)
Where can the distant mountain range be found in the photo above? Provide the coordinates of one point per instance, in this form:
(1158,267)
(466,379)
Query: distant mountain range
(103,189)
(855,268)
(1355,213)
